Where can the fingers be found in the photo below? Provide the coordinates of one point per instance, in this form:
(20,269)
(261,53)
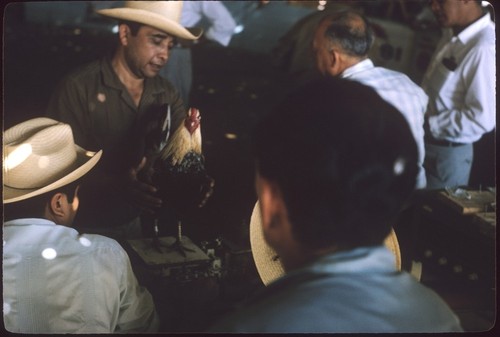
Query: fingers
(141,165)
(208,193)
(141,194)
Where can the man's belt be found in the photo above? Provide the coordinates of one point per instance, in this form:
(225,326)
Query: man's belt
(442,142)
(429,139)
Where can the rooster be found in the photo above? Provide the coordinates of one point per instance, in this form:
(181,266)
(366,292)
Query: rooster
(176,166)
(180,169)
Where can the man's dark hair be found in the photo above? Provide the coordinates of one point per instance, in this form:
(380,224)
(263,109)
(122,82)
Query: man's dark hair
(345,30)
(34,207)
(344,159)
(134,26)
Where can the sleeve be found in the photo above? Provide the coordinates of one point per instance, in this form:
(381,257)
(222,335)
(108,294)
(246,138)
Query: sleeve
(67,104)
(476,116)
(137,310)
(222,23)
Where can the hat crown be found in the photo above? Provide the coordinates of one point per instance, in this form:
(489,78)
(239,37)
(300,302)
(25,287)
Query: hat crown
(162,15)
(170,10)
(37,153)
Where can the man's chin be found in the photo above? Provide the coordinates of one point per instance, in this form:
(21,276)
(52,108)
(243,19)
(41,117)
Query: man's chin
(151,74)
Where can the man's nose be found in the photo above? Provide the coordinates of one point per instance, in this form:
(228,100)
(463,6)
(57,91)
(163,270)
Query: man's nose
(163,53)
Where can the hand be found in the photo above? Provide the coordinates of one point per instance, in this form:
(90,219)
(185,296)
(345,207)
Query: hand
(141,194)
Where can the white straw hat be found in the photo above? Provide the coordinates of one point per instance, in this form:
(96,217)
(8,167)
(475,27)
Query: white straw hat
(39,155)
(162,15)
(267,261)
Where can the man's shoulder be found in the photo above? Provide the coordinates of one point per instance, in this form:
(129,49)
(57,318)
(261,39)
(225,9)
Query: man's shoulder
(98,242)
(391,72)
(485,37)
(380,74)
(85,70)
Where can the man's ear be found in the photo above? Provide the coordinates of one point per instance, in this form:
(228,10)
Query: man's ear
(272,205)
(123,33)
(334,62)
(56,205)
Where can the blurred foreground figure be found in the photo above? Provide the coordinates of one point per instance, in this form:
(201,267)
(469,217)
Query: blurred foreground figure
(55,279)
(335,164)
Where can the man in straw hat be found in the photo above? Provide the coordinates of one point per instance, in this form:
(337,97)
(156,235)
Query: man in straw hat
(56,280)
(334,165)
(105,101)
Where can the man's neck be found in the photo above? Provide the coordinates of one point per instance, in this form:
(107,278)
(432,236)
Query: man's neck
(475,15)
(126,76)
(132,83)
(351,61)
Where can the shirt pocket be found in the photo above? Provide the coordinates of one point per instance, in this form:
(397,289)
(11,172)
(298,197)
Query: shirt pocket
(444,83)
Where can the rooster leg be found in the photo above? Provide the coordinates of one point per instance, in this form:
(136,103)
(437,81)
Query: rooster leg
(178,245)
(156,240)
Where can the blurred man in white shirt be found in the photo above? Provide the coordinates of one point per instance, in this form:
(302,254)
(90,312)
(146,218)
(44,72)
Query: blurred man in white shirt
(221,25)
(460,83)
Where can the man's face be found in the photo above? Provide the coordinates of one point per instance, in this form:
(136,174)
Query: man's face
(448,13)
(147,52)
(321,50)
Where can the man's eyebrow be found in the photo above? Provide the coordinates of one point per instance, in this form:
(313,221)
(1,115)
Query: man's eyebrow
(161,35)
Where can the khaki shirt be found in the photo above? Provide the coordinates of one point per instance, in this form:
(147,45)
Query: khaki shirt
(100,110)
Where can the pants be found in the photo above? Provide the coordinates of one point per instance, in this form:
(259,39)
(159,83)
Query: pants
(448,166)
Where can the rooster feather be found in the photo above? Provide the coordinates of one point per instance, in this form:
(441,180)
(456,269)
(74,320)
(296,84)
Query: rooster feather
(186,139)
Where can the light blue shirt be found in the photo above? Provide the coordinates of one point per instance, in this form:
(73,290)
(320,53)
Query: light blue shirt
(462,101)
(400,91)
(357,291)
(221,23)
(58,281)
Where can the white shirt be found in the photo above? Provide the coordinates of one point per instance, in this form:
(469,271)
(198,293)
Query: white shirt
(400,91)
(462,103)
(221,22)
(58,281)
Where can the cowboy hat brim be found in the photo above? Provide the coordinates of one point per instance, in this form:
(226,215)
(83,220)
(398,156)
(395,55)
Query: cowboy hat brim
(267,261)
(154,20)
(85,162)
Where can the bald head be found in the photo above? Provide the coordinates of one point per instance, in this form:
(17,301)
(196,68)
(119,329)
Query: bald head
(340,41)
(349,31)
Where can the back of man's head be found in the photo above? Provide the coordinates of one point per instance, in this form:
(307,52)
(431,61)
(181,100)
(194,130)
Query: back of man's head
(350,31)
(344,159)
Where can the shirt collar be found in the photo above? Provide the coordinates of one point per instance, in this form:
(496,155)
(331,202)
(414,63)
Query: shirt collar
(374,259)
(468,33)
(371,260)
(358,67)
(30,222)
(363,259)
(111,79)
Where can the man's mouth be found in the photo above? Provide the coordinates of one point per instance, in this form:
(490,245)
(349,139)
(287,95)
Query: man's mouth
(156,67)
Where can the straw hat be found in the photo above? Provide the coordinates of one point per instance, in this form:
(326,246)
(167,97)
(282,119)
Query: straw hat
(39,155)
(267,261)
(162,15)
